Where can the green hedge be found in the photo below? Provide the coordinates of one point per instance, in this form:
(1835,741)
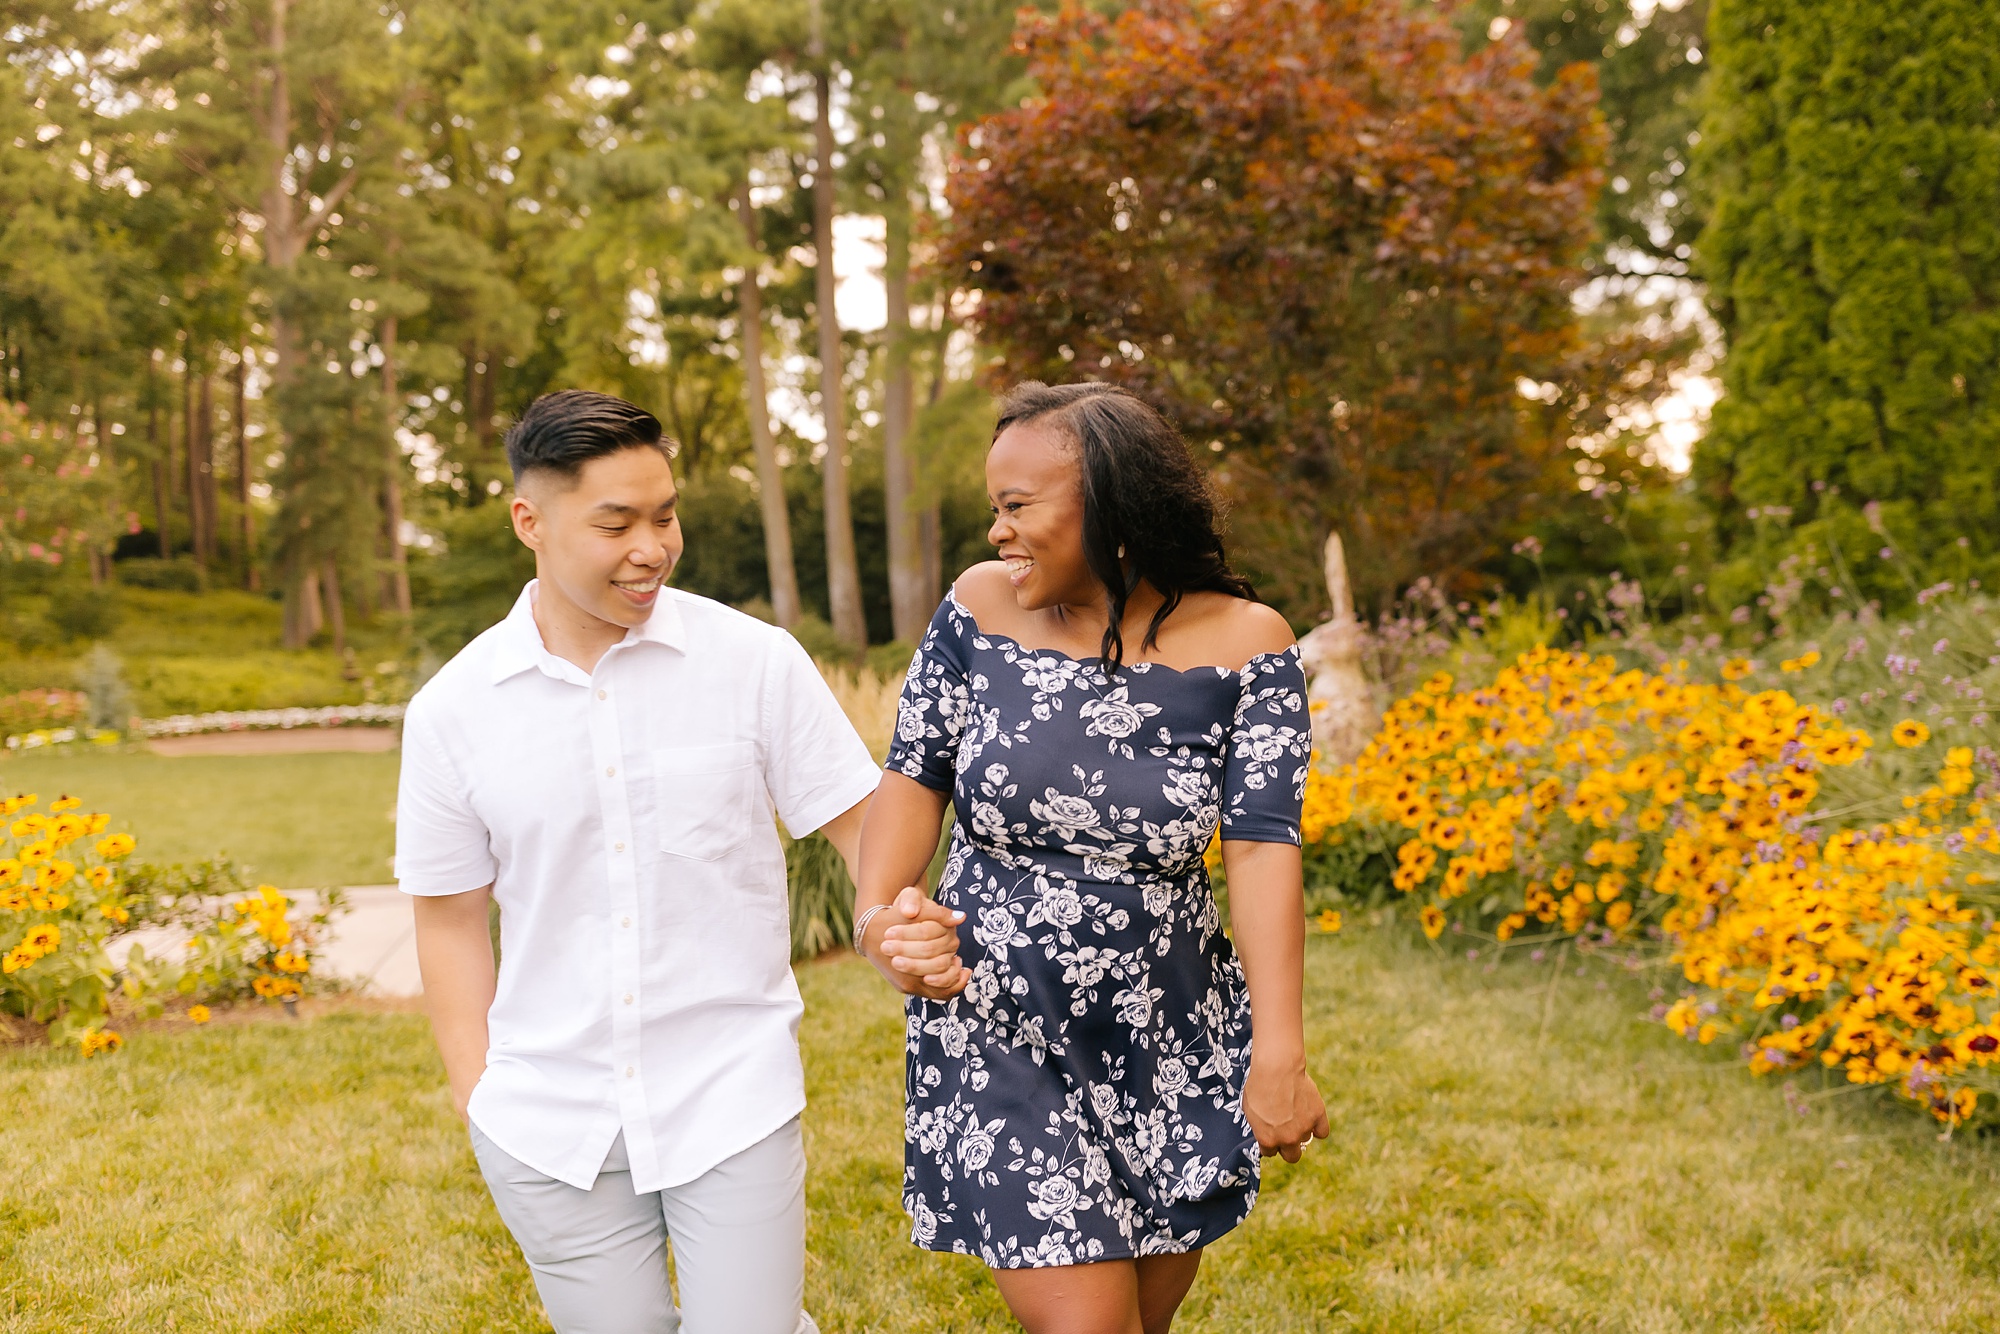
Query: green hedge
(266,680)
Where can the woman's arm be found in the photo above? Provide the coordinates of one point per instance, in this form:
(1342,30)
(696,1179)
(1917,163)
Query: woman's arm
(455,959)
(1267,922)
(914,941)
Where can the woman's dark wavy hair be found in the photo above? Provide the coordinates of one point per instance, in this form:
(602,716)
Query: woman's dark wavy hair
(1143,491)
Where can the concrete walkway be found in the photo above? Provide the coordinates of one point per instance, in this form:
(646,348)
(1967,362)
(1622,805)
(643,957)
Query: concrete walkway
(374,944)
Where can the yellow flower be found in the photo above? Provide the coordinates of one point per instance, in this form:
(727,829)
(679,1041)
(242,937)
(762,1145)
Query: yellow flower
(43,939)
(10,870)
(1509,924)
(1807,659)
(64,803)
(1432,918)
(1617,915)
(100,877)
(1329,922)
(97,1040)
(114,846)
(1737,668)
(1910,732)
(287,962)
(16,959)
(1443,832)
(114,912)
(198,1014)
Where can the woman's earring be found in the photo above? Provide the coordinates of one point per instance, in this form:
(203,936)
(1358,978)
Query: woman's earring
(1121,551)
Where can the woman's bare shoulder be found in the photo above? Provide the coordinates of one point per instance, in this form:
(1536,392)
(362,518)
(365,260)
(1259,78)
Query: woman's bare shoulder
(1235,629)
(984,591)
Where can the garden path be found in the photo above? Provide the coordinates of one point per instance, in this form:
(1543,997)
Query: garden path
(278,741)
(373,944)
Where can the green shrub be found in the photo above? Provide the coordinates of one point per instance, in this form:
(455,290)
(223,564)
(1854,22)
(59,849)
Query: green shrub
(472,581)
(179,575)
(79,611)
(890,661)
(272,679)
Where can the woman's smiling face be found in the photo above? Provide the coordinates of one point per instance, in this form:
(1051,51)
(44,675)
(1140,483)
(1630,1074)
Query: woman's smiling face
(1034,480)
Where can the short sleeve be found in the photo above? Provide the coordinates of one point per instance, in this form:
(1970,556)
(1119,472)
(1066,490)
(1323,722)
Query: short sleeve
(931,712)
(442,846)
(815,764)
(1270,751)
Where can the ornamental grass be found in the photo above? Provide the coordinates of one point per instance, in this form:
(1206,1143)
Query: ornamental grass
(1825,890)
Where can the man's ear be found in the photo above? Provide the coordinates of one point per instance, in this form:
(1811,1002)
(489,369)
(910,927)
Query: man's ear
(527,517)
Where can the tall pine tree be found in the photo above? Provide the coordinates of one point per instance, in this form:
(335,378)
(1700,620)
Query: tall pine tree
(1853,153)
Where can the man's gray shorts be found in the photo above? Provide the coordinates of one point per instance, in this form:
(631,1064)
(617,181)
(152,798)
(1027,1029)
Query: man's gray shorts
(599,1256)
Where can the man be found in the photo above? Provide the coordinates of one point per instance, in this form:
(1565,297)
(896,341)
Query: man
(604,764)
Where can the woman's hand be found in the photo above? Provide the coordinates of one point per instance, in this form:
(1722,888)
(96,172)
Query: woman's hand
(1283,1106)
(917,949)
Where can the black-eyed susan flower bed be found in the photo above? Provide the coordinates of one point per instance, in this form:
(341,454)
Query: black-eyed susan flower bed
(1726,826)
(68,906)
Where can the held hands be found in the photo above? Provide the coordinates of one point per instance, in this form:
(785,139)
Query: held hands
(918,949)
(1283,1106)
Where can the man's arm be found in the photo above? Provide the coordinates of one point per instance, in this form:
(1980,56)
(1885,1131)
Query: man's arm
(844,832)
(455,957)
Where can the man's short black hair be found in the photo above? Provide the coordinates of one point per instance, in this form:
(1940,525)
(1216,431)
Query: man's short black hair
(561,432)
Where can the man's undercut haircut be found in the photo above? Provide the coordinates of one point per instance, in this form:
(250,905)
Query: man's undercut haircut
(561,432)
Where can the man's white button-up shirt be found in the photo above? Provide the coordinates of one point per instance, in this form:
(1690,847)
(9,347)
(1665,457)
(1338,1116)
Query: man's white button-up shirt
(624,819)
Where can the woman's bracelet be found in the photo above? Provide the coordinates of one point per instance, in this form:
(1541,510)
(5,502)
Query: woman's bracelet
(861,927)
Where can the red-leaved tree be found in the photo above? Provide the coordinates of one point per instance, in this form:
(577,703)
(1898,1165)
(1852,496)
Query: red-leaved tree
(1339,251)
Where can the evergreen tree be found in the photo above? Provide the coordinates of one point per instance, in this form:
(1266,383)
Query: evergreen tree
(1853,153)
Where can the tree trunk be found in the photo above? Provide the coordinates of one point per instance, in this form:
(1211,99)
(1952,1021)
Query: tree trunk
(396,578)
(336,615)
(930,527)
(201,467)
(479,401)
(250,580)
(756,403)
(909,613)
(153,448)
(303,616)
(100,554)
(843,571)
(283,242)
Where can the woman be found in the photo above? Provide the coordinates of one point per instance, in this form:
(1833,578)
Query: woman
(1085,1108)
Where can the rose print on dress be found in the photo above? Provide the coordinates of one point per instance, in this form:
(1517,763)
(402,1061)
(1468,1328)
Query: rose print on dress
(1082,1098)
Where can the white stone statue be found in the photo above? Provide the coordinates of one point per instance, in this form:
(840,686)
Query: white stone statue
(1345,713)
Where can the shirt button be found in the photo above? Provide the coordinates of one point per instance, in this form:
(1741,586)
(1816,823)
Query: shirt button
(628,998)
(628,1072)
(600,694)
(618,847)
(624,921)
(611,772)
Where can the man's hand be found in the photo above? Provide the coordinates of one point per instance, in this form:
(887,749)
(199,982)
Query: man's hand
(918,948)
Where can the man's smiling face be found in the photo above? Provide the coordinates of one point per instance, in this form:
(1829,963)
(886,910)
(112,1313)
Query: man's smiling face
(605,540)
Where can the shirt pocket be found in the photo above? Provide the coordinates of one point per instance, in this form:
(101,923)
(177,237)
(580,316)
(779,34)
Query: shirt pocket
(708,799)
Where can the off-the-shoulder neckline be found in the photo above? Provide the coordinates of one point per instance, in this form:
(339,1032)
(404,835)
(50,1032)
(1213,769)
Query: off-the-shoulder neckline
(951,596)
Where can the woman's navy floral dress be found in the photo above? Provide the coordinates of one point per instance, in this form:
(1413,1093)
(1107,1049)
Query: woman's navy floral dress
(1083,1098)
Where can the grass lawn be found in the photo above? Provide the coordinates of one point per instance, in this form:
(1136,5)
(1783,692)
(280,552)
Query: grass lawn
(1512,1151)
(298,821)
